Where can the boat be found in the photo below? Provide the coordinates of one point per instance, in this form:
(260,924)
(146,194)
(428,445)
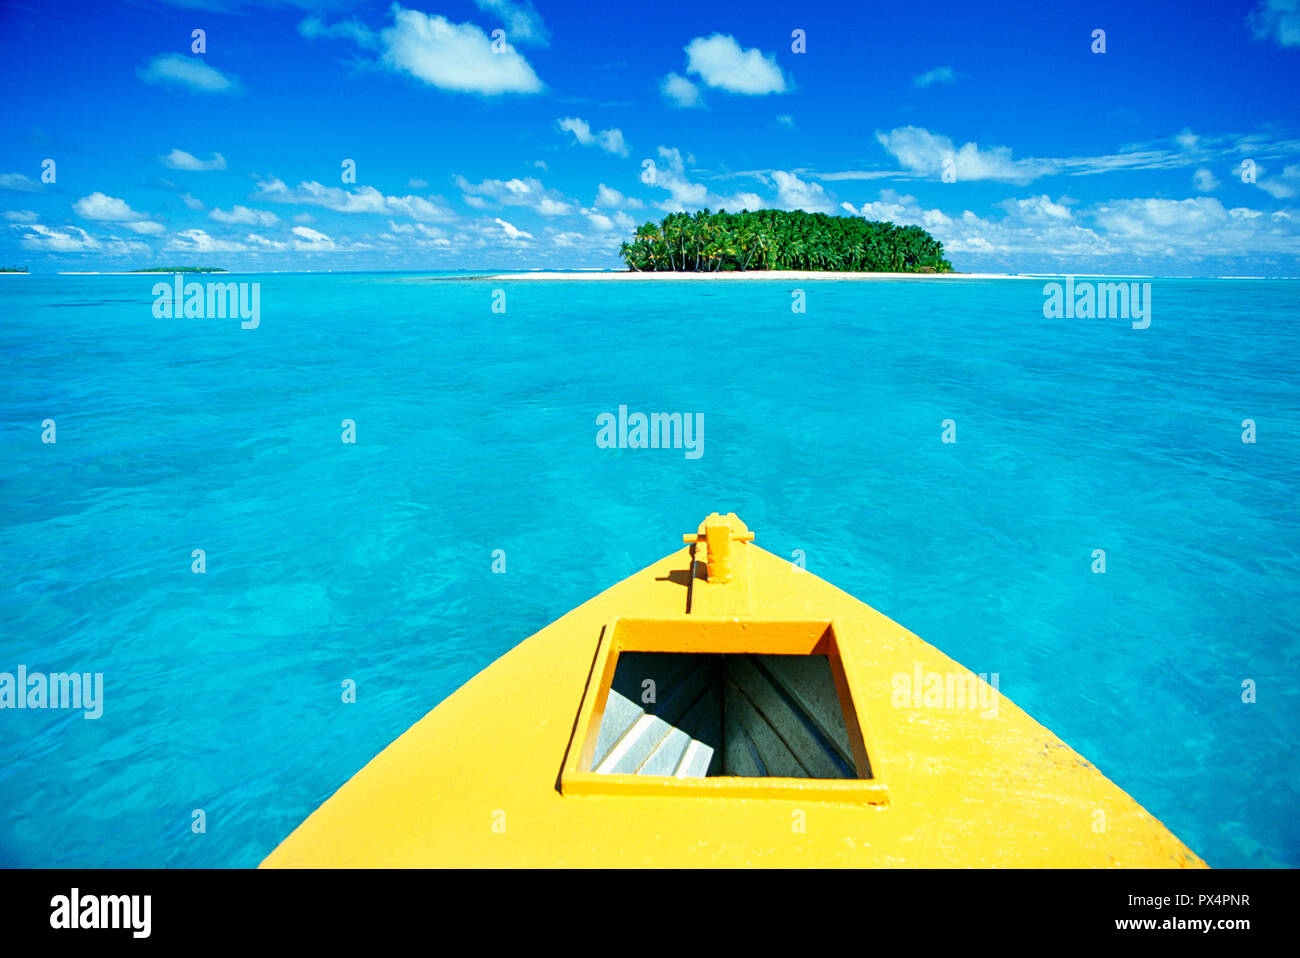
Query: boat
(725,707)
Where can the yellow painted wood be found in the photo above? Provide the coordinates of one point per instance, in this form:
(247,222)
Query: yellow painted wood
(476,782)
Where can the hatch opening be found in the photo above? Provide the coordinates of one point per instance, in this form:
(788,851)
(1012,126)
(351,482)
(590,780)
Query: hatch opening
(730,706)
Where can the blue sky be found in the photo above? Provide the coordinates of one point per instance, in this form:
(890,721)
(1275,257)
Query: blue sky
(533,154)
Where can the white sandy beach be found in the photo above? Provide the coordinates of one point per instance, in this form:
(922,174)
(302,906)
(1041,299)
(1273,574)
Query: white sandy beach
(800,275)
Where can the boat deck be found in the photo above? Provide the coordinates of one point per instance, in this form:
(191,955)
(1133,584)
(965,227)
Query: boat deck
(478,781)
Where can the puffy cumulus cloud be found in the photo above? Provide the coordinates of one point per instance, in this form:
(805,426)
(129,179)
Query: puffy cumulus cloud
(73,239)
(187,73)
(610,198)
(793,193)
(923,152)
(937,75)
(1187,139)
(605,222)
(611,140)
(1201,226)
(245,216)
(110,209)
(514,192)
(720,62)
(451,56)
(1277,21)
(1204,180)
(180,160)
(680,91)
(191,201)
(1037,209)
(363,199)
(522,22)
(670,175)
(511,231)
(1039,234)
(99,206)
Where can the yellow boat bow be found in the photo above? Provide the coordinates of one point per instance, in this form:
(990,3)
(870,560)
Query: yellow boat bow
(725,707)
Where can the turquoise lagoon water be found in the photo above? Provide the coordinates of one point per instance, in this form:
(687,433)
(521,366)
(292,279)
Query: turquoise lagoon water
(476,431)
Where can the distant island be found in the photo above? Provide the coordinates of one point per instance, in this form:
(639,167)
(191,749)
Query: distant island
(180,269)
(13,269)
(781,240)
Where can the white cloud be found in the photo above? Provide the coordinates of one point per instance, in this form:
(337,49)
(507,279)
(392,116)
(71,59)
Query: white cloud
(18,182)
(1204,180)
(681,91)
(921,151)
(511,231)
(793,193)
(98,206)
(177,70)
(1273,185)
(1187,139)
(522,22)
(611,198)
(180,160)
(191,202)
(515,192)
(937,75)
(683,194)
(73,239)
(198,241)
(1112,236)
(262,243)
(313,28)
(605,222)
(720,62)
(452,56)
(310,240)
(1277,21)
(21,216)
(1037,209)
(245,216)
(785,120)
(670,175)
(611,140)
(416,183)
(363,199)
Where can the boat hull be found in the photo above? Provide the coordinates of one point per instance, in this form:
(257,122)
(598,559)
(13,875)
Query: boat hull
(478,781)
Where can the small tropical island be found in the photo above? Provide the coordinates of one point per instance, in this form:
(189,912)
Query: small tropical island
(181,269)
(766,240)
(13,269)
